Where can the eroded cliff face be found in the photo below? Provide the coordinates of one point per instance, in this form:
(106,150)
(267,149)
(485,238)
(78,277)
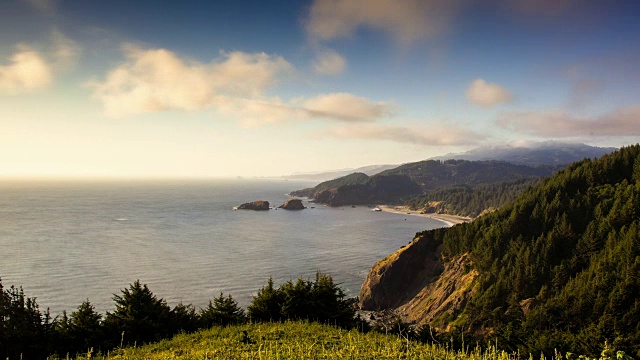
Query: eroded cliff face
(418,285)
(448,294)
(399,277)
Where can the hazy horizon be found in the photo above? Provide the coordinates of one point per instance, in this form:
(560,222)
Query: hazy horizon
(256,89)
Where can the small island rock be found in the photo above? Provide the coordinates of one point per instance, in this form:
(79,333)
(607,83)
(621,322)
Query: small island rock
(292,204)
(255,205)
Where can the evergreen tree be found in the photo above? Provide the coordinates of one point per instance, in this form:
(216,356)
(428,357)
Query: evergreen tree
(267,304)
(223,311)
(139,316)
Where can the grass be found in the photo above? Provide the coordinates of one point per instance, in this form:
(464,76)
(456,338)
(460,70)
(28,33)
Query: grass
(293,340)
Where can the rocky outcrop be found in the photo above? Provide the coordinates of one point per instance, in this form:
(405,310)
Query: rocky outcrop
(400,276)
(292,204)
(448,294)
(417,284)
(255,205)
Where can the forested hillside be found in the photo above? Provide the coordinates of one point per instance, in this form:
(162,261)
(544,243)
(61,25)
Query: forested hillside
(560,266)
(471,200)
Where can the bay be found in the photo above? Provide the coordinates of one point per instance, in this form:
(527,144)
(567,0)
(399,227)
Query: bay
(68,241)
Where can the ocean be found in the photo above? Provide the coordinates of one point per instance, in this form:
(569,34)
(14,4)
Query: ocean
(68,241)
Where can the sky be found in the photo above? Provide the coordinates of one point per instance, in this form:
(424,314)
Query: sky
(185,89)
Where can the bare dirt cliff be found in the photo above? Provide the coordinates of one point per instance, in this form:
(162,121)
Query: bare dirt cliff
(417,284)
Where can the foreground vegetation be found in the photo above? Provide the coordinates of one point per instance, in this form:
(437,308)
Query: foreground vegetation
(140,317)
(303,340)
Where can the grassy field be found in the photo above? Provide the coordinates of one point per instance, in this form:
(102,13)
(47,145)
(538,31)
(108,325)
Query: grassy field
(293,340)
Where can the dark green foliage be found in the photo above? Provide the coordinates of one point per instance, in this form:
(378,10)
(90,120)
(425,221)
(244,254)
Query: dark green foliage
(433,174)
(322,301)
(571,246)
(223,311)
(80,331)
(183,318)
(23,328)
(471,201)
(139,314)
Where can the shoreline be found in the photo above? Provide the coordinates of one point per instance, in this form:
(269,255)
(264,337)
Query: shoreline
(450,220)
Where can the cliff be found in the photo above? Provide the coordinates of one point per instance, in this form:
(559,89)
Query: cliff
(419,284)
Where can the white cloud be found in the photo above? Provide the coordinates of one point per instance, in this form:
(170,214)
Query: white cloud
(435,135)
(158,79)
(405,20)
(487,94)
(27,71)
(329,63)
(153,80)
(345,107)
(557,123)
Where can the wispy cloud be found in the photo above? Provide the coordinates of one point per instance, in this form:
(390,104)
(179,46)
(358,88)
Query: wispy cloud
(329,62)
(65,51)
(435,135)
(27,71)
(405,20)
(157,79)
(342,107)
(487,94)
(558,123)
(152,80)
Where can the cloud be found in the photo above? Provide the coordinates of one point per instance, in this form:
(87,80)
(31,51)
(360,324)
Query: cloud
(342,107)
(436,135)
(557,123)
(65,51)
(157,79)
(487,94)
(405,20)
(27,71)
(152,80)
(329,63)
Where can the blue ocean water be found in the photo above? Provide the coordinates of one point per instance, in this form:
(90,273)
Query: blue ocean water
(68,241)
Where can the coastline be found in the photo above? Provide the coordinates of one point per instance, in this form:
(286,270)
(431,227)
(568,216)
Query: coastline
(450,220)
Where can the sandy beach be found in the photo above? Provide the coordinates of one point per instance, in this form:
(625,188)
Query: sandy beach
(449,219)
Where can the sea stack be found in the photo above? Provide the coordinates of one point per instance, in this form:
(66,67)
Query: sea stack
(255,205)
(292,204)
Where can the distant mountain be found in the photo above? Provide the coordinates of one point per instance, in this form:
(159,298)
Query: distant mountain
(532,153)
(408,180)
(334,174)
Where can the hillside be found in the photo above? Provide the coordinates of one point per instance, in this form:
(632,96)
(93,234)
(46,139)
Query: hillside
(329,175)
(294,340)
(351,179)
(406,181)
(559,267)
(470,201)
(532,154)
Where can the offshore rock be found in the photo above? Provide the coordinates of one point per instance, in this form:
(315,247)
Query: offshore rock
(292,204)
(255,205)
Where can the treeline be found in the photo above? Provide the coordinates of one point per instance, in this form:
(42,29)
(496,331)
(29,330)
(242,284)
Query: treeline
(471,200)
(141,317)
(560,266)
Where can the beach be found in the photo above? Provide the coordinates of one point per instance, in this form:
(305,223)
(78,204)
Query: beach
(449,219)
